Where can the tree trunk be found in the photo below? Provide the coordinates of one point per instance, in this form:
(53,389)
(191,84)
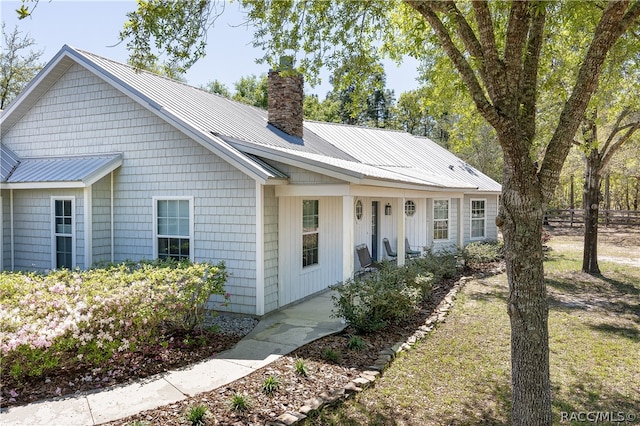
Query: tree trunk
(592,203)
(521,216)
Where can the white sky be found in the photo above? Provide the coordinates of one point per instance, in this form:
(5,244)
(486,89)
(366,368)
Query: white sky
(94,26)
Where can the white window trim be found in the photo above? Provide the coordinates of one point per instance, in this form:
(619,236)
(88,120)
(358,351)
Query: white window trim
(317,232)
(448,219)
(484,231)
(155,223)
(54,234)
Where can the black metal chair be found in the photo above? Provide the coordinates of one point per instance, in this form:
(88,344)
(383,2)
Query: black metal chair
(387,246)
(408,251)
(366,262)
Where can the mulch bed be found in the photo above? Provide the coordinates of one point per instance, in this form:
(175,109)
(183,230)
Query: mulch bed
(183,349)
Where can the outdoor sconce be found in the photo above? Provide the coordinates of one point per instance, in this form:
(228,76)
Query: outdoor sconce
(387,209)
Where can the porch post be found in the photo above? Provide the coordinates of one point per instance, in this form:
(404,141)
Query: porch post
(88,226)
(348,247)
(259,248)
(399,208)
(461,222)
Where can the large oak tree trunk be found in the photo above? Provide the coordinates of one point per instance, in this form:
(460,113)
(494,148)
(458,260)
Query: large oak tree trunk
(522,213)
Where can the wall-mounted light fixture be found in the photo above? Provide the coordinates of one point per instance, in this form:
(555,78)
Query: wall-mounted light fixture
(387,209)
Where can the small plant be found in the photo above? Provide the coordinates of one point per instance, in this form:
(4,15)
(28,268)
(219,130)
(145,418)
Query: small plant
(355,343)
(270,385)
(301,368)
(196,414)
(331,355)
(239,402)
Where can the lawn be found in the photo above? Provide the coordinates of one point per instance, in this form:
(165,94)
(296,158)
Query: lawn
(460,374)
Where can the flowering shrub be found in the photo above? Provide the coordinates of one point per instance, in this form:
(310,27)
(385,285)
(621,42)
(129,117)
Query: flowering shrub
(88,316)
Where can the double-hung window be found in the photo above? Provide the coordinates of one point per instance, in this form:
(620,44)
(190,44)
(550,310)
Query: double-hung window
(478,219)
(63,232)
(440,219)
(173,223)
(309,232)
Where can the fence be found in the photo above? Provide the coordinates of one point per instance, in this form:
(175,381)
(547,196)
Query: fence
(605,217)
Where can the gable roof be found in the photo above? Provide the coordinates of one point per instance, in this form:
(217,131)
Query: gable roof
(240,134)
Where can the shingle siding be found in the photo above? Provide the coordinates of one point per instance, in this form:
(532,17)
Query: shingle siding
(82,114)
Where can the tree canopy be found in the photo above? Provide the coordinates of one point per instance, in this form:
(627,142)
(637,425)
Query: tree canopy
(19,63)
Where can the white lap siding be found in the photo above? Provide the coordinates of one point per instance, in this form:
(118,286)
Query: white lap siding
(81,114)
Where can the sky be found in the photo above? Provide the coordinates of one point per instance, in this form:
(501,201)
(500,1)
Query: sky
(94,26)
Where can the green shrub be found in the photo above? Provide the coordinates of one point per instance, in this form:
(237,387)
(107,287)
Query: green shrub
(443,264)
(355,343)
(479,252)
(270,385)
(239,402)
(301,368)
(330,355)
(196,414)
(372,302)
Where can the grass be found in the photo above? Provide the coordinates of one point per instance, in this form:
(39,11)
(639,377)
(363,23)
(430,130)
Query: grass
(460,374)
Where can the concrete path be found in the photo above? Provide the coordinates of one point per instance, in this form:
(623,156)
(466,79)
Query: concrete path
(274,336)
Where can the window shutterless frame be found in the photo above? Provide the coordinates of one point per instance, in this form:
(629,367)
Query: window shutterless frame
(310,233)
(63,232)
(441,219)
(478,217)
(173,227)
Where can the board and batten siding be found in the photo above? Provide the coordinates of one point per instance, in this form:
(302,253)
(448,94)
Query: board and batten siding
(83,115)
(297,282)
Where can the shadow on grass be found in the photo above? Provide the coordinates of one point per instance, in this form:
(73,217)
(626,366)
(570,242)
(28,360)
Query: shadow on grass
(626,332)
(590,394)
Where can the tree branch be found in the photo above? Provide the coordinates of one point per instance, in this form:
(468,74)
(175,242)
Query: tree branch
(608,30)
(519,20)
(528,84)
(616,127)
(609,154)
(494,81)
(467,74)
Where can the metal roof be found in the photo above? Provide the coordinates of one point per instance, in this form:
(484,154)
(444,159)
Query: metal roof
(8,162)
(76,171)
(234,131)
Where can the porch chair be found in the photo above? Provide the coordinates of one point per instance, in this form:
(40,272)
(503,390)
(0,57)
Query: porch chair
(366,262)
(410,253)
(387,246)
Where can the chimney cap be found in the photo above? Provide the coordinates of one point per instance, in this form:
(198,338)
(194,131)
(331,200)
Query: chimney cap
(286,63)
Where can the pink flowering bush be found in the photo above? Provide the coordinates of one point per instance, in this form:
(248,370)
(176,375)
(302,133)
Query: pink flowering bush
(88,316)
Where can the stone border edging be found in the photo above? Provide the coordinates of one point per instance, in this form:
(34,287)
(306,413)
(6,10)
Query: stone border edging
(385,357)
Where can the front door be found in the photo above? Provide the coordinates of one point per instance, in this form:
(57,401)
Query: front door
(374,230)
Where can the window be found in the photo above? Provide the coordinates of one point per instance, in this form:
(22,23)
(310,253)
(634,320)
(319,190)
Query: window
(174,228)
(358,209)
(63,236)
(478,219)
(409,208)
(309,232)
(440,219)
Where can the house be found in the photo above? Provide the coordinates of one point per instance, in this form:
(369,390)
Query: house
(100,162)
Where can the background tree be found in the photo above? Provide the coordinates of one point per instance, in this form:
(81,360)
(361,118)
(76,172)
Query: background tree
(217,87)
(19,63)
(252,90)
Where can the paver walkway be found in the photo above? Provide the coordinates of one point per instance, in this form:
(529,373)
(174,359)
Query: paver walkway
(274,336)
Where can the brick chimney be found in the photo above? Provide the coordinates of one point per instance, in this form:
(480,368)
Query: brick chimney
(285,95)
